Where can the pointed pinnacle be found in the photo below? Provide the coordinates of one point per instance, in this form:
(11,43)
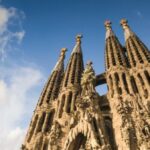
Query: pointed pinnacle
(107,24)
(78,38)
(89,62)
(124,23)
(63,51)
(126,28)
(109,31)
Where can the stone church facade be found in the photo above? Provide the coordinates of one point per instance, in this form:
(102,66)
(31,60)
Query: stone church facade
(71,115)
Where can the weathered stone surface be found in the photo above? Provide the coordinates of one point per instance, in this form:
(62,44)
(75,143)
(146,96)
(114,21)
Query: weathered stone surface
(71,115)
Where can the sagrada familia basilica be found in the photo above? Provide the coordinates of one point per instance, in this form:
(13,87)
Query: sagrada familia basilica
(71,115)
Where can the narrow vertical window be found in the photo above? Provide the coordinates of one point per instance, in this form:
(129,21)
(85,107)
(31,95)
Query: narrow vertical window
(117,82)
(49,120)
(147,76)
(134,85)
(111,89)
(41,121)
(69,102)
(45,147)
(125,82)
(62,103)
(96,130)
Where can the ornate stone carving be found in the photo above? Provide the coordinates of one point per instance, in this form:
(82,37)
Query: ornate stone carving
(88,79)
(80,110)
(54,134)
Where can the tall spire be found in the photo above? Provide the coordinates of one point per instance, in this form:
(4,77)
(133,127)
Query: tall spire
(118,80)
(75,66)
(114,53)
(43,116)
(51,89)
(137,52)
(72,77)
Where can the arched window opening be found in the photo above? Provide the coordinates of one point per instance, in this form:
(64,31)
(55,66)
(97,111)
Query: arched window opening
(140,79)
(134,85)
(145,93)
(75,98)
(109,132)
(62,103)
(96,130)
(125,82)
(105,108)
(48,97)
(78,143)
(45,146)
(112,52)
(40,123)
(126,56)
(111,89)
(69,101)
(32,128)
(49,120)
(142,83)
(117,82)
(147,76)
(95,125)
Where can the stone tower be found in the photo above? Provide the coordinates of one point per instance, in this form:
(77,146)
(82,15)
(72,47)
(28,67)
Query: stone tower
(71,115)
(43,116)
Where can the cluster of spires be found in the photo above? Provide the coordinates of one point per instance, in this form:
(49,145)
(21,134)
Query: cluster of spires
(63,87)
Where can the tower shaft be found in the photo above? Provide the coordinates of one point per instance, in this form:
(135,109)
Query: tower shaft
(118,79)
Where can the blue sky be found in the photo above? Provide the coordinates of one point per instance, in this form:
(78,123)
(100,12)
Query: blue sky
(32,32)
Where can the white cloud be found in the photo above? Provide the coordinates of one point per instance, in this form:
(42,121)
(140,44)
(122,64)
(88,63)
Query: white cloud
(4,17)
(19,35)
(15,85)
(10,16)
(18,84)
(13,140)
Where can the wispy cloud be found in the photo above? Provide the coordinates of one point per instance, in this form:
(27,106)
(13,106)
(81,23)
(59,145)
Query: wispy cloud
(18,83)
(15,84)
(10,17)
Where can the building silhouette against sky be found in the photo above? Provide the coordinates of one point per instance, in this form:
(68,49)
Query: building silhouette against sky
(71,115)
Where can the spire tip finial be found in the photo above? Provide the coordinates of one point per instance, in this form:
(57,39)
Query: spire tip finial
(126,28)
(78,37)
(89,62)
(63,50)
(109,31)
(107,23)
(124,22)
